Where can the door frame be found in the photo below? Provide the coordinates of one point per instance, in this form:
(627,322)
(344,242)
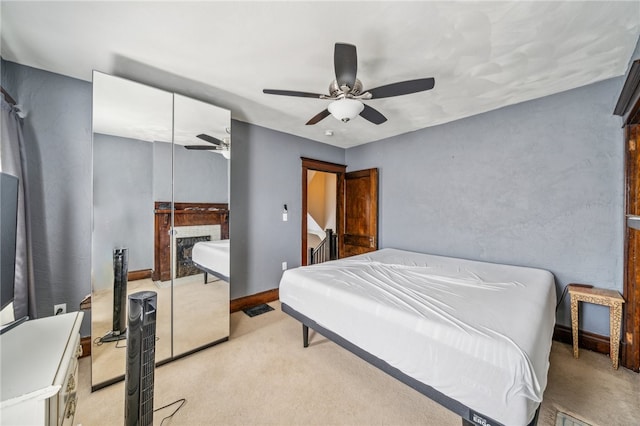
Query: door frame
(321,166)
(628,107)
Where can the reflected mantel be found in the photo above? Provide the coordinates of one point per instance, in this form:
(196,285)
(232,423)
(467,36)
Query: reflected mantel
(185,214)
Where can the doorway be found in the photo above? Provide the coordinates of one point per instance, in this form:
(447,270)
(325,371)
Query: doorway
(354,212)
(321,216)
(322,205)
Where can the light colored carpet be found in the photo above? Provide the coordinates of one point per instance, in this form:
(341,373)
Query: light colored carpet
(211,308)
(263,376)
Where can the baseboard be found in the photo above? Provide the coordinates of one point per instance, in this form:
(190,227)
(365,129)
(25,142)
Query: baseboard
(85,342)
(254,300)
(586,340)
(139,275)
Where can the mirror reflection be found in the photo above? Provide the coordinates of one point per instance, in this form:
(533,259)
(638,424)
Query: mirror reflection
(201,223)
(155,200)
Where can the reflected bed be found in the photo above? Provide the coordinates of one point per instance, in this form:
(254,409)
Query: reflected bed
(212,257)
(473,336)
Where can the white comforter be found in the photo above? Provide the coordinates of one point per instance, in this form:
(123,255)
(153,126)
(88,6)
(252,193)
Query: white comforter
(213,255)
(478,332)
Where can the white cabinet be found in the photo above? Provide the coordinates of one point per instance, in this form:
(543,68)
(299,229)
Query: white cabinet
(40,371)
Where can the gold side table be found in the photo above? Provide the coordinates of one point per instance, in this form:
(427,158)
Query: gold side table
(598,296)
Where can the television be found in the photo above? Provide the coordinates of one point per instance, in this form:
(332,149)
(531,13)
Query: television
(8,226)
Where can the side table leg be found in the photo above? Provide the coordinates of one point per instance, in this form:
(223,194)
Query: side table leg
(615,319)
(574,325)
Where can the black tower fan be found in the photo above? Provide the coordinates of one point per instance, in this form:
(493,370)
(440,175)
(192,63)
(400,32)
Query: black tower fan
(141,349)
(120,272)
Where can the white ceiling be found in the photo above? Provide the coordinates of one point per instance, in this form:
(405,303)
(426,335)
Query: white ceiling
(483,55)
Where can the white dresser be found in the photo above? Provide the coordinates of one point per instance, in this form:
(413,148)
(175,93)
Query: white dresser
(39,372)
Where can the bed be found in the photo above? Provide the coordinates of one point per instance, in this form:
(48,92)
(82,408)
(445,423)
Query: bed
(212,257)
(473,336)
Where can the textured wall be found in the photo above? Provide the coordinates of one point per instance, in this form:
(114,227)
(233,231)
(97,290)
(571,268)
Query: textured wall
(266,172)
(536,184)
(57,131)
(122,205)
(200,176)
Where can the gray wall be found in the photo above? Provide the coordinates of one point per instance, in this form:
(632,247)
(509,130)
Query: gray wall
(537,184)
(122,205)
(57,131)
(200,176)
(265,174)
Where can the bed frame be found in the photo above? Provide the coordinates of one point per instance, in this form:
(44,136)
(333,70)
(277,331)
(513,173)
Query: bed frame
(208,271)
(468,415)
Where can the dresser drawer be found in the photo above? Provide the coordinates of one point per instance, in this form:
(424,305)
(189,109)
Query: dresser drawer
(67,395)
(70,410)
(62,406)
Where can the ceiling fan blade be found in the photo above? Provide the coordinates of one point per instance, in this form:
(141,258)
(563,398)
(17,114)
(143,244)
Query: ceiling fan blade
(319,117)
(345,62)
(201,147)
(209,139)
(291,93)
(402,88)
(373,115)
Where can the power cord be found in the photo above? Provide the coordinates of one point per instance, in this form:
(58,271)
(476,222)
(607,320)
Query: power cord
(124,346)
(180,401)
(566,287)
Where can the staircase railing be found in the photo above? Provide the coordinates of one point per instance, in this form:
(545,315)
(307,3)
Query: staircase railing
(326,250)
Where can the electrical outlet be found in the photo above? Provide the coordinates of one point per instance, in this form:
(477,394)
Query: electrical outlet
(60,309)
(284,266)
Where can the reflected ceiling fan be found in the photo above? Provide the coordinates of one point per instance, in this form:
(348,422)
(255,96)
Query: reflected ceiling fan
(347,91)
(215,144)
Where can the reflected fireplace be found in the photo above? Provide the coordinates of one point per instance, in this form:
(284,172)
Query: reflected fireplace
(184,248)
(190,220)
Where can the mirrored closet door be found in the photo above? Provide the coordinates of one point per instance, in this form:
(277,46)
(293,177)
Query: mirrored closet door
(201,135)
(160,195)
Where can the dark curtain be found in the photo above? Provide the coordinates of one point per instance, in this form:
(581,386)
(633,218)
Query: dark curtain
(13,161)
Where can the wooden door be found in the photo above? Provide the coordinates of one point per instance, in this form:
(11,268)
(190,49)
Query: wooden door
(360,221)
(628,107)
(630,348)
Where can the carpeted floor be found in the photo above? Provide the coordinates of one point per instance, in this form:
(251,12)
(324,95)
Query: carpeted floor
(263,376)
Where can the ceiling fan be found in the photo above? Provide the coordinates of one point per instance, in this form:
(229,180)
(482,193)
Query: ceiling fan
(347,91)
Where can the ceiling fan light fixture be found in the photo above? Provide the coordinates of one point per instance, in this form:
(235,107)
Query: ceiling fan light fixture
(345,109)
